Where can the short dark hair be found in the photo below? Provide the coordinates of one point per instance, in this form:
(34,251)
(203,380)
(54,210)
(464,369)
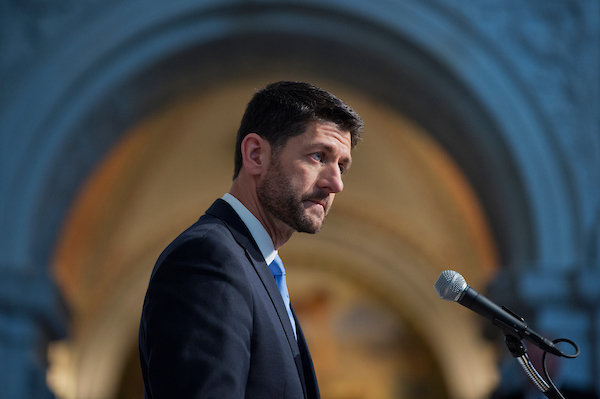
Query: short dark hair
(284,109)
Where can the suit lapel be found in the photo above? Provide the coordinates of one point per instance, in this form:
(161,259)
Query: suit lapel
(309,379)
(222,210)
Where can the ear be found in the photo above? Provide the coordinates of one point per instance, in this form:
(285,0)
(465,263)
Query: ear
(256,154)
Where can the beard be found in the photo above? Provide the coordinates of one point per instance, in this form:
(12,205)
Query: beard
(281,199)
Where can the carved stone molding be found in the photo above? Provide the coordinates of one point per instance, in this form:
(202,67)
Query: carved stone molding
(552,50)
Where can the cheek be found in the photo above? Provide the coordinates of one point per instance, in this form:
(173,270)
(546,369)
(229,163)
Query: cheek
(302,179)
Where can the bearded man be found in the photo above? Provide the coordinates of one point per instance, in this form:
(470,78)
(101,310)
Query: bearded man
(217,321)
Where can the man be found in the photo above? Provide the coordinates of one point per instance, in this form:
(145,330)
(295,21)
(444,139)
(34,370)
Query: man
(217,322)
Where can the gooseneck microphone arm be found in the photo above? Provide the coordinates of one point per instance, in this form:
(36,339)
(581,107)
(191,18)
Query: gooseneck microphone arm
(451,286)
(519,351)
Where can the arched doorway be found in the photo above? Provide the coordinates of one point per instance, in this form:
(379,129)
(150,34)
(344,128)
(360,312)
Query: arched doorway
(64,113)
(406,214)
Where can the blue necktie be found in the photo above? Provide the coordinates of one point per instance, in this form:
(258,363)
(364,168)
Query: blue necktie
(278,272)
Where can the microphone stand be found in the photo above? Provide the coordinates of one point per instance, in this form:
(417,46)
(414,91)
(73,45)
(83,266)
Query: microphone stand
(518,350)
(451,286)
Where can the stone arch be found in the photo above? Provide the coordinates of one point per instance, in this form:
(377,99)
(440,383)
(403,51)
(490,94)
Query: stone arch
(368,242)
(521,184)
(106,91)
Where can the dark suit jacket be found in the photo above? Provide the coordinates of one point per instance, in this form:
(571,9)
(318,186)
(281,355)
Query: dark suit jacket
(214,324)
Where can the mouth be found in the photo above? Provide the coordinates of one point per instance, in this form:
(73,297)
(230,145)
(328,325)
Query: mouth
(317,202)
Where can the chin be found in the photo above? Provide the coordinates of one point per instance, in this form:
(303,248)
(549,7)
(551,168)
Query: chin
(315,228)
(312,228)
(311,231)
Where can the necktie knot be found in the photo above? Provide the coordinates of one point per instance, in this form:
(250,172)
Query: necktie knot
(276,267)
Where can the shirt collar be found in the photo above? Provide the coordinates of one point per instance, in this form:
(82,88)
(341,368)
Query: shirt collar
(257,230)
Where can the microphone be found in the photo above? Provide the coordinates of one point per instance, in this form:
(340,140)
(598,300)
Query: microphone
(451,286)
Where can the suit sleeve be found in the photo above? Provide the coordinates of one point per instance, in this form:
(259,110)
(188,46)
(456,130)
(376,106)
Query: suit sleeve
(197,321)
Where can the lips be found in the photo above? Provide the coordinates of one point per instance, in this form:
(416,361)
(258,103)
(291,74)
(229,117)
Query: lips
(319,202)
(319,198)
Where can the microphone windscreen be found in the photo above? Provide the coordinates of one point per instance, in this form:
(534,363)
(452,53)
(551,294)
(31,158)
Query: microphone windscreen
(450,285)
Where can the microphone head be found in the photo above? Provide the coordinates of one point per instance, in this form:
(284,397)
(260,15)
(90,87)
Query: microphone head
(450,285)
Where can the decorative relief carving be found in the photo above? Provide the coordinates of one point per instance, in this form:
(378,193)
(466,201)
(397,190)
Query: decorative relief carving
(552,48)
(26,27)
(29,29)
(550,29)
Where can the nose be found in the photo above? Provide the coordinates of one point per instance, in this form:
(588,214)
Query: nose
(331,179)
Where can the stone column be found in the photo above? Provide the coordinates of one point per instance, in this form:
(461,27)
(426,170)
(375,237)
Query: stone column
(31,315)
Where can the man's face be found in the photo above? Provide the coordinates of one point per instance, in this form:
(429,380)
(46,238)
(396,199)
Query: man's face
(303,178)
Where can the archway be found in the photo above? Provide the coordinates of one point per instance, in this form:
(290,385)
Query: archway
(192,47)
(407,213)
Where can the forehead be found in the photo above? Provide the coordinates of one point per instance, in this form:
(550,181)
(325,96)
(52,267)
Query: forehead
(327,134)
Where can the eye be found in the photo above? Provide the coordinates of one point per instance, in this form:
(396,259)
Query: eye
(317,156)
